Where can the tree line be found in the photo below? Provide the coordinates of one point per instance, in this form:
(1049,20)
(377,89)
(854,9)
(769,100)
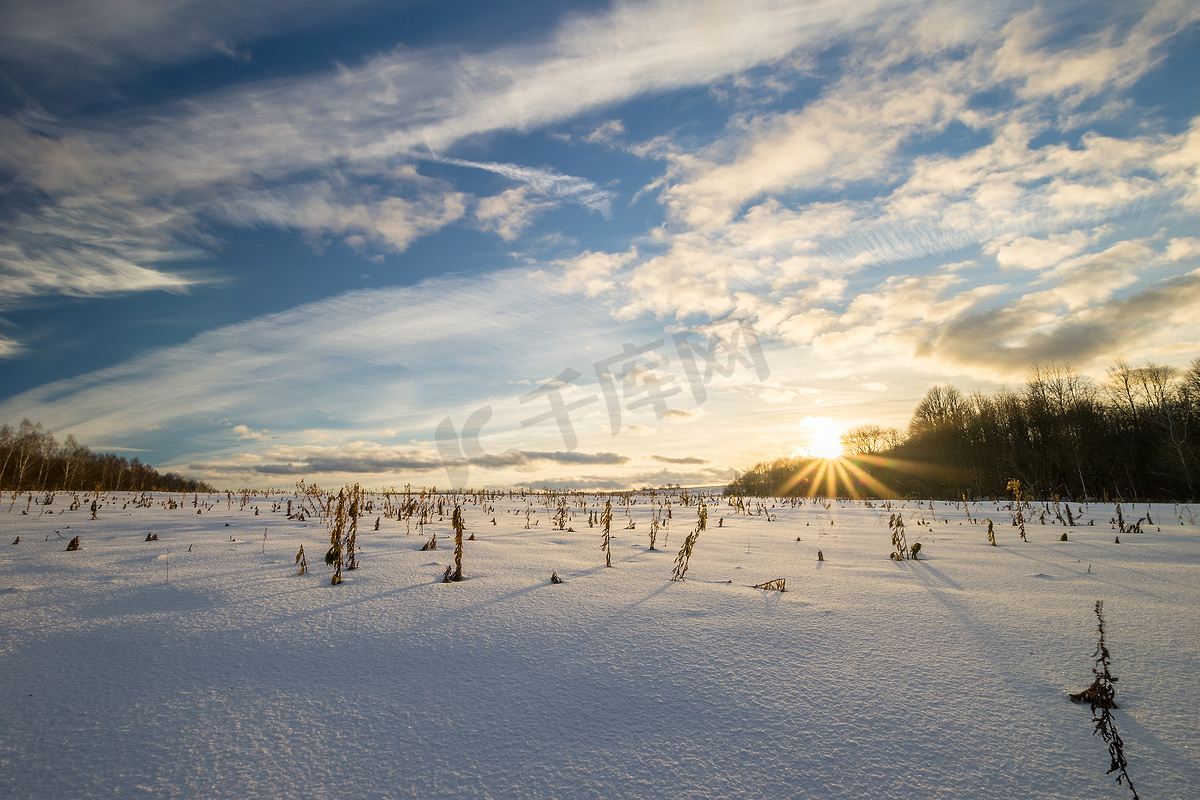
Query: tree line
(31,459)
(1134,435)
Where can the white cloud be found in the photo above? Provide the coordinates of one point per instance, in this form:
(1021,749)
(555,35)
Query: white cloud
(245,153)
(1032,253)
(545,182)
(1180,166)
(848,135)
(508,213)
(1182,248)
(589,271)
(1108,59)
(360,216)
(9,347)
(244,432)
(606,132)
(776,219)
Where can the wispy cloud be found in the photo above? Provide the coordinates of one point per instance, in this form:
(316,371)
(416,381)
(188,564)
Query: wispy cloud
(9,347)
(242,154)
(545,182)
(97,39)
(363,217)
(263,368)
(446,346)
(53,256)
(525,458)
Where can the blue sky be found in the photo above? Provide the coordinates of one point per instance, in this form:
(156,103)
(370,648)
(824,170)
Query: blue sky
(256,242)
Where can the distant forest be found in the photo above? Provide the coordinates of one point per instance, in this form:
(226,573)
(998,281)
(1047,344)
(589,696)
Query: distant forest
(31,459)
(1135,436)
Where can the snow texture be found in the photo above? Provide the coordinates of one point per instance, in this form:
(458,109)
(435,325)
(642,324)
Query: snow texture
(201,665)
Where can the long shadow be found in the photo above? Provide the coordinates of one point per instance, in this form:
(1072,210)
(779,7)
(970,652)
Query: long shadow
(1015,550)
(623,613)
(972,626)
(927,575)
(491,601)
(355,602)
(629,558)
(928,568)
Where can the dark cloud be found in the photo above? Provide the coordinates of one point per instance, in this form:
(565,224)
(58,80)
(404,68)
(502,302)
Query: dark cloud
(520,458)
(413,463)
(682,460)
(369,464)
(713,476)
(706,477)
(259,469)
(589,483)
(1008,340)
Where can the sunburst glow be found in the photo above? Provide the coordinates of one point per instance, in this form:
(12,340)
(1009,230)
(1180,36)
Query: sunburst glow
(827,444)
(824,439)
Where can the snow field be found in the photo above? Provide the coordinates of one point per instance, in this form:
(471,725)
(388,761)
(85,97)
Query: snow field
(868,678)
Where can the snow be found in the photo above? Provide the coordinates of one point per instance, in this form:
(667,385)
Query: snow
(867,678)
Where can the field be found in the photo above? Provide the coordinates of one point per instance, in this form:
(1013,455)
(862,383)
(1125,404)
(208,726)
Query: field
(201,665)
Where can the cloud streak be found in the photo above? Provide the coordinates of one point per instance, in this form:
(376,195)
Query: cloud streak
(546,182)
(239,155)
(259,392)
(367,465)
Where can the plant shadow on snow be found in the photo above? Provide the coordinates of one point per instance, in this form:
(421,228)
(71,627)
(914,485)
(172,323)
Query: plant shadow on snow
(503,598)
(1065,565)
(325,609)
(654,593)
(154,599)
(924,568)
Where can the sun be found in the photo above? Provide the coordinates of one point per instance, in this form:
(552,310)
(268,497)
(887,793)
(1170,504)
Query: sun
(826,444)
(824,438)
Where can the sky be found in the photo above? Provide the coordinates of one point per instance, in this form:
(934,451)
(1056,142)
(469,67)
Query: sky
(576,245)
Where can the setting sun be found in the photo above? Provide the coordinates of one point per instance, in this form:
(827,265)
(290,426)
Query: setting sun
(824,440)
(827,444)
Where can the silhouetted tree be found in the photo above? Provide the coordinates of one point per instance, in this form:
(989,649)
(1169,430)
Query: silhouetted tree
(1136,436)
(31,459)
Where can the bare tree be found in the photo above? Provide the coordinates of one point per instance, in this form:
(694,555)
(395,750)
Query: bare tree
(870,438)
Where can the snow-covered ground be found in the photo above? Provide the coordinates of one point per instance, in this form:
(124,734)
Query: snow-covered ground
(201,665)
